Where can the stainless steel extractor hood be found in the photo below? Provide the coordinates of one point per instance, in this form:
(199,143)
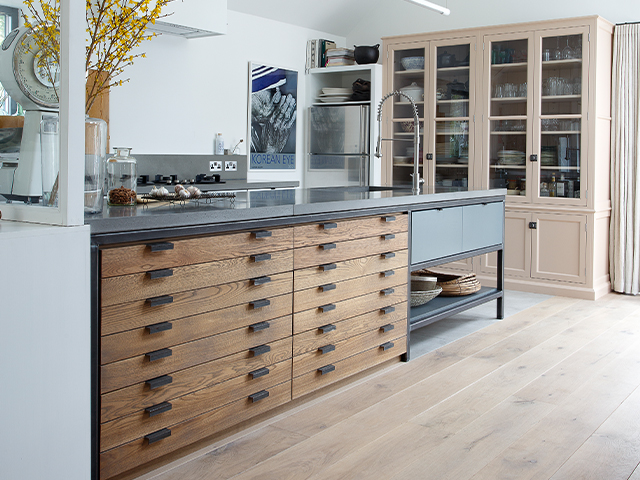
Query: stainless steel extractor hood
(193,19)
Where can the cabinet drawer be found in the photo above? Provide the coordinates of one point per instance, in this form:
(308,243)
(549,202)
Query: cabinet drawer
(316,317)
(126,429)
(141,340)
(140,368)
(350,366)
(337,252)
(313,339)
(341,230)
(140,313)
(339,291)
(337,351)
(160,254)
(435,233)
(154,283)
(140,396)
(321,275)
(482,225)
(139,451)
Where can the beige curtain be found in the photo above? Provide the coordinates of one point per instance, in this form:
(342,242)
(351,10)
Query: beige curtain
(624,244)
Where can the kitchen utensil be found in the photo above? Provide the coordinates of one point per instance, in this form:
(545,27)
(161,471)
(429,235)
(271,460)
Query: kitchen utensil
(366,54)
(446,60)
(414,91)
(457,90)
(412,63)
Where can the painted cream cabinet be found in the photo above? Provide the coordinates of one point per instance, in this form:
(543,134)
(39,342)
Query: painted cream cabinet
(536,122)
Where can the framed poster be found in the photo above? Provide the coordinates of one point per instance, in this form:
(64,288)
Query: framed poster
(273,105)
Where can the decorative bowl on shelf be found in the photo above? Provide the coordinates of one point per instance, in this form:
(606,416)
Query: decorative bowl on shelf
(413,63)
(407,126)
(414,91)
(420,297)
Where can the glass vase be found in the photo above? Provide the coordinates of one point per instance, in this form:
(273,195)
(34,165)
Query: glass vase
(122,174)
(95,154)
(50,158)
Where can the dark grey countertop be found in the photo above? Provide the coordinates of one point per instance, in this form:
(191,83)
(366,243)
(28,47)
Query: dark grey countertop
(270,205)
(232,185)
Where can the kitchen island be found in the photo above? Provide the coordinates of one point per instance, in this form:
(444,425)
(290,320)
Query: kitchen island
(210,314)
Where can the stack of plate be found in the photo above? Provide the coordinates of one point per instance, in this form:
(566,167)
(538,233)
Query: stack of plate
(335,94)
(549,156)
(511,157)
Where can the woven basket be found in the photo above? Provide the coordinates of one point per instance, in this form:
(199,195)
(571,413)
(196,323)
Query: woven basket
(455,285)
(420,297)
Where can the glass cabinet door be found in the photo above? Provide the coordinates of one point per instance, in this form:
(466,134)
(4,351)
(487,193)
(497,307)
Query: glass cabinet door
(560,115)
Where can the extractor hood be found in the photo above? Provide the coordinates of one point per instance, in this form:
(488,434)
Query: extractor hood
(193,19)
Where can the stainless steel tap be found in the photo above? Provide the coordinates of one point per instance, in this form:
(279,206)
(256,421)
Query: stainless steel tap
(416,180)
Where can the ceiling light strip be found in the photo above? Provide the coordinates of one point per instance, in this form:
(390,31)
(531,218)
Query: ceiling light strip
(432,6)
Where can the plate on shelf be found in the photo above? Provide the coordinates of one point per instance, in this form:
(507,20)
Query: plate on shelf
(402,160)
(334,98)
(336,91)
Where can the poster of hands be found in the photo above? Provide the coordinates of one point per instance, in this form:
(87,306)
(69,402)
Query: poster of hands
(273,111)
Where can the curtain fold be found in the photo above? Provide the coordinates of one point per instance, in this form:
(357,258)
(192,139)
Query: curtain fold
(624,238)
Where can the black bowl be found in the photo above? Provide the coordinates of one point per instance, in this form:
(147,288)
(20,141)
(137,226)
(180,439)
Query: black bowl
(366,54)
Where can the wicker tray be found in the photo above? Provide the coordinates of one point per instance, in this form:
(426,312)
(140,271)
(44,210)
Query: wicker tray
(420,297)
(455,285)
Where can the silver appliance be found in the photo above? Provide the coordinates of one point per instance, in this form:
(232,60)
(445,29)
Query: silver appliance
(339,152)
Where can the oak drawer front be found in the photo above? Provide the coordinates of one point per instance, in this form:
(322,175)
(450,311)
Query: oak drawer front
(337,351)
(166,334)
(339,291)
(140,313)
(160,254)
(317,275)
(316,317)
(142,367)
(311,340)
(340,230)
(154,283)
(350,366)
(337,252)
(143,422)
(139,451)
(140,396)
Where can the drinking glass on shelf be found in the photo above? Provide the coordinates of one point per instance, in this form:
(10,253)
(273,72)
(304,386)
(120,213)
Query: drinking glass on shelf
(546,55)
(577,86)
(567,52)
(557,53)
(522,90)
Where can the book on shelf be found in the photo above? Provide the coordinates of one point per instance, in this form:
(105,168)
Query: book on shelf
(317,53)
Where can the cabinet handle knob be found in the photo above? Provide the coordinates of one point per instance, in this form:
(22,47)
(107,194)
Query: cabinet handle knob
(389,218)
(260,303)
(159,382)
(261,257)
(155,274)
(157,436)
(388,236)
(261,372)
(387,328)
(256,397)
(386,346)
(256,327)
(157,301)
(259,350)
(327,308)
(388,255)
(328,226)
(158,327)
(328,266)
(327,328)
(326,369)
(261,234)
(328,287)
(158,354)
(158,409)
(386,310)
(160,246)
(260,280)
(387,273)
(328,246)
(326,349)
(387,291)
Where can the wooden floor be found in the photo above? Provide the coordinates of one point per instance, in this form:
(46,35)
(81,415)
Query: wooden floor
(551,392)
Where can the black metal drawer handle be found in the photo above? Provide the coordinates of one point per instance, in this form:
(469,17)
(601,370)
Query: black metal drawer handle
(326,369)
(260,303)
(256,397)
(160,246)
(261,234)
(387,291)
(386,310)
(158,354)
(155,274)
(327,328)
(328,266)
(158,327)
(261,257)
(328,287)
(327,308)
(386,346)
(260,280)
(256,327)
(389,218)
(327,246)
(158,409)
(326,349)
(388,236)
(157,436)
(159,382)
(387,273)
(387,255)
(327,226)
(157,301)
(261,372)
(387,328)
(260,349)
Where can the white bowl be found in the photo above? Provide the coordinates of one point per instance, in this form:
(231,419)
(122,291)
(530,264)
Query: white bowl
(414,91)
(412,63)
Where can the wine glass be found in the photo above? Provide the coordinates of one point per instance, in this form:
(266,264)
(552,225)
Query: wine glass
(557,53)
(567,52)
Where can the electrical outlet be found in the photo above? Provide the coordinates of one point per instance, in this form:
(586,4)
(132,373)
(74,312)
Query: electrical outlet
(230,165)
(215,166)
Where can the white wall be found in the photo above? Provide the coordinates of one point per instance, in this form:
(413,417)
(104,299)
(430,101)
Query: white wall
(186,91)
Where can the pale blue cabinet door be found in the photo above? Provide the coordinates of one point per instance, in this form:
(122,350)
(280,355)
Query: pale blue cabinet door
(435,233)
(482,225)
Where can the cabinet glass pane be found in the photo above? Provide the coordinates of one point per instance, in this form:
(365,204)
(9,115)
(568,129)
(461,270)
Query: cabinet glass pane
(561,75)
(507,155)
(560,157)
(509,78)
(452,81)
(452,155)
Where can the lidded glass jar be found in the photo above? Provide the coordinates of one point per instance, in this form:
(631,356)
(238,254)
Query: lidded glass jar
(122,174)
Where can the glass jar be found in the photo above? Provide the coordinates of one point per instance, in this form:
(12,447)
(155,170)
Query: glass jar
(122,174)
(95,154)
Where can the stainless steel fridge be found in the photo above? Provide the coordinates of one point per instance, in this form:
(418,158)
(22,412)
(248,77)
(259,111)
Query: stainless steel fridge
(339,150)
